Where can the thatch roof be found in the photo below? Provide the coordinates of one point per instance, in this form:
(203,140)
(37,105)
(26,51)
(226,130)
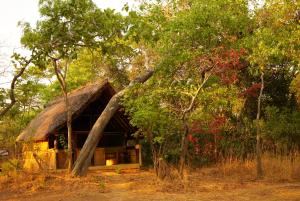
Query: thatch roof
(54,115)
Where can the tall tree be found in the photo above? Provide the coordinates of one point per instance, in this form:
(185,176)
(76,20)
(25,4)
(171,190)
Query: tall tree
(65,28)
(188,38)
(271,50)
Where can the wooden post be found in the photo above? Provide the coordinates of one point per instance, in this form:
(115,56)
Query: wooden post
(55,146)
(138,152)
(16,151)
(140,155)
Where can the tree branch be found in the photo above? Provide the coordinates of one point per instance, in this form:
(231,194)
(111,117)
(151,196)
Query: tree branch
(59,76)
(187,110)
(12,88)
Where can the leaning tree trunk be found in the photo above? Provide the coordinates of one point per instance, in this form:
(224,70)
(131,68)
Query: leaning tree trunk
(84,159)
(259,169)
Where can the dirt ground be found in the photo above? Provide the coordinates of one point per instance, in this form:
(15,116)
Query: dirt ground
(141,185)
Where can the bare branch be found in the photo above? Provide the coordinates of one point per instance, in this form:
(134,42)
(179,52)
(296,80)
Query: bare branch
(59,76)
(192,103)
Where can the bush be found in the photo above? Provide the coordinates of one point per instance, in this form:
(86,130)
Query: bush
(118,170)
(11,165)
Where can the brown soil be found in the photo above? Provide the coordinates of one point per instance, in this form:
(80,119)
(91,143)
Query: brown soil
(136,185)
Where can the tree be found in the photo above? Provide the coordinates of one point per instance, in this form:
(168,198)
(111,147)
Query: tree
(190,43)
(23,63)
(67,27)
(272,50)
(28,103)
(214,64)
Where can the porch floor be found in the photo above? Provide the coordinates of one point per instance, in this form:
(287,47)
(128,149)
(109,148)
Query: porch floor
(117,166)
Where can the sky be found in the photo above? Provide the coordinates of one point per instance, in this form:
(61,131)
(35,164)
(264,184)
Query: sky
(13,11)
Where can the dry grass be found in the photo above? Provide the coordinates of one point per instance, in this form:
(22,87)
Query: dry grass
(25,181)
(221,182)
(276,169)
(235,174)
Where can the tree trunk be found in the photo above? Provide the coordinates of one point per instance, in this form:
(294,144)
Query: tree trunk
(259,169)
(69,127)
(63,84)
(215,148)
(84,159)
(149,136)
(184,150)
(184,143)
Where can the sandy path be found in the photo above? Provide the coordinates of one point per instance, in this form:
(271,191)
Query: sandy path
(141,185)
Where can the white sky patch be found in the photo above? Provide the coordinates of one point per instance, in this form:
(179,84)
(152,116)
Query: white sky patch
(13,11)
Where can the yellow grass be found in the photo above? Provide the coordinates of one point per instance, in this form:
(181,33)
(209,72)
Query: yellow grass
(276,169)
(224,181)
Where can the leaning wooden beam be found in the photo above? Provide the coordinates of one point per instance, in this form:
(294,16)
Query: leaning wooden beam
(84,159)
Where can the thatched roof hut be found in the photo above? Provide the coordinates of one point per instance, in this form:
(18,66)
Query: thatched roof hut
(48,131)
(54,115)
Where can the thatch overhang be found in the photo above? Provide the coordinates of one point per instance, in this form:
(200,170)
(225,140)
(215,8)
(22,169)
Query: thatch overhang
(54,115)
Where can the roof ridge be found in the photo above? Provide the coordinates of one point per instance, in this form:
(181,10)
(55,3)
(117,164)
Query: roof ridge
(89,84)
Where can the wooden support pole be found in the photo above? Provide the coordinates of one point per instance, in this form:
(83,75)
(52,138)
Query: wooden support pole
(140,155)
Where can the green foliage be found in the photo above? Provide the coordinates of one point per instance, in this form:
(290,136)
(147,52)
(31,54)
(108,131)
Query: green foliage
(2,97)
(101,183)
(87,68)
(13,123)
(118,170)
(282,125)
(148,114)
(62,142)
(295,88)
(270,46)
(10,166)
(187,42)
